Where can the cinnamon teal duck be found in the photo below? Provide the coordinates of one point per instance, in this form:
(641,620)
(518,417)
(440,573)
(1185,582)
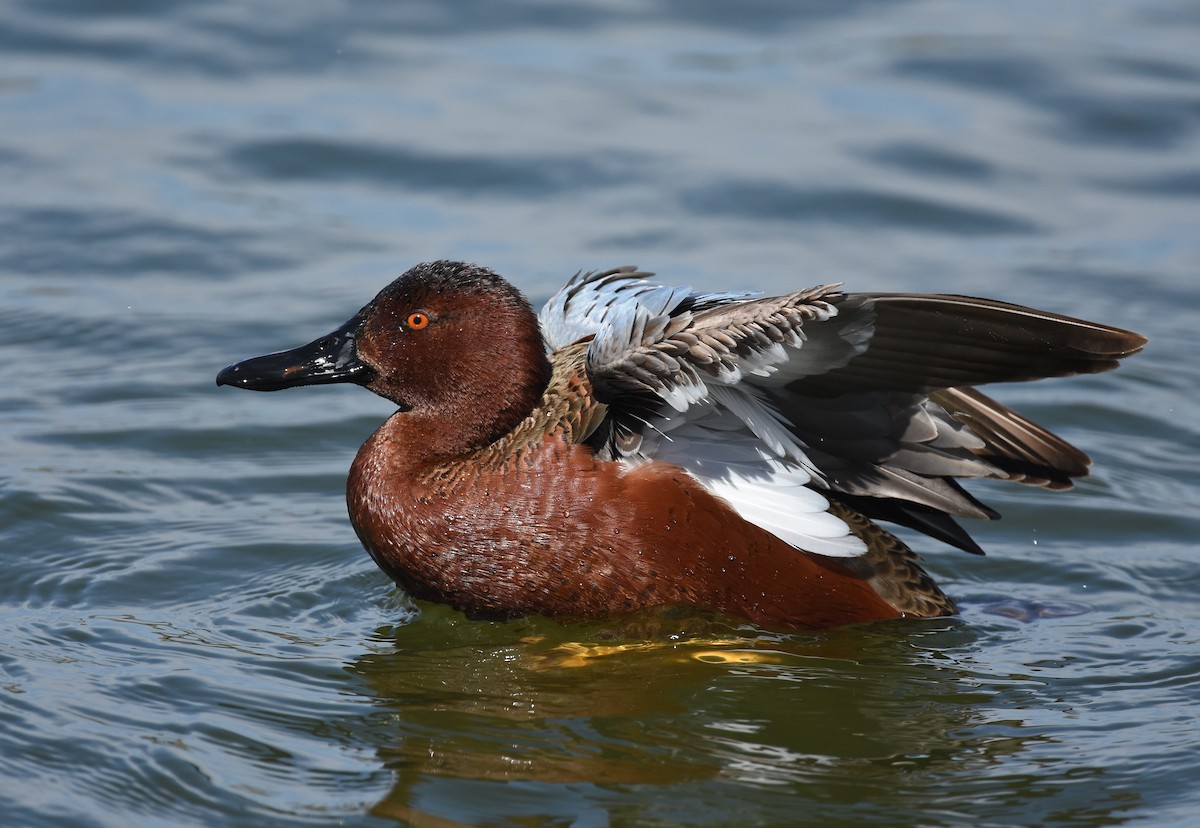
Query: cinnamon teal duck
(638,445)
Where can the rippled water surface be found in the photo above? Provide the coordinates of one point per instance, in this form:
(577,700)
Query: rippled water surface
(190,633)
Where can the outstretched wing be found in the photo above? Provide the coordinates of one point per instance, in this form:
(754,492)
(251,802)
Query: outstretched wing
(779,403)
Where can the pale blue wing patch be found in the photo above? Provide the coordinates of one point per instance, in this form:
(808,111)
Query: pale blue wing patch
(592,301)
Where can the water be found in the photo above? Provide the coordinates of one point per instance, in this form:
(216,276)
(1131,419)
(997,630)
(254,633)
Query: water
(190,632)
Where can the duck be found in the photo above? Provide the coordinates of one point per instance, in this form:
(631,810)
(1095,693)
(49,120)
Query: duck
(638,447)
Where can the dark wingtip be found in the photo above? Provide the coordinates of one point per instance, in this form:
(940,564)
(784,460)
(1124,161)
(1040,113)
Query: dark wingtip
(1134,342)
(924,519)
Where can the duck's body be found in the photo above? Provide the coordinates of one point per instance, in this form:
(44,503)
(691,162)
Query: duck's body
(536,523)
(673,448)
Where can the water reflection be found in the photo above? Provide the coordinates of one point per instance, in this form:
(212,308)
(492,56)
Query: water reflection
(528,702)
(880,718)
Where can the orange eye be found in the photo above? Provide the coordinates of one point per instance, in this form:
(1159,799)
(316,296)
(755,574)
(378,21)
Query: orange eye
(417,320)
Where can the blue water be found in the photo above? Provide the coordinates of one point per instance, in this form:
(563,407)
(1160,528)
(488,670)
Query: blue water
(189,631)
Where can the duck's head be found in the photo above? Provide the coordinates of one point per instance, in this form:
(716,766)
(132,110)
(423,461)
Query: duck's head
(448,340)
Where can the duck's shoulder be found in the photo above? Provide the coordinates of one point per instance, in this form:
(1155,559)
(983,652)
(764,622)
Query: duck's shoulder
(566,416)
